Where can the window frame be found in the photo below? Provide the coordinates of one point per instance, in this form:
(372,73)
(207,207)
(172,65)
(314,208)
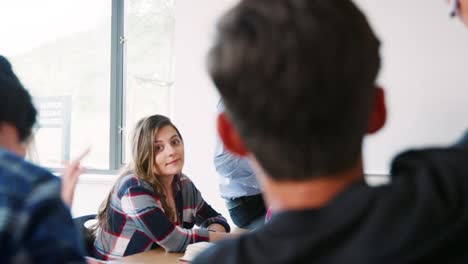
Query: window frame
(117,126)
(117,88)
(117,91)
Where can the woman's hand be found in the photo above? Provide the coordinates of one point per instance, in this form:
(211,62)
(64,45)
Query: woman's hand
(218,232)
(215,236)
(70,176)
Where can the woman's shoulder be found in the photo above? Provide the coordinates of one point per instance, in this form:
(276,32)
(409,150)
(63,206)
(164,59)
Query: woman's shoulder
(130,181)
(186,183)
(185,180)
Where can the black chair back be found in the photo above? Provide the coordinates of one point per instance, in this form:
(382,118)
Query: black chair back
(86,233)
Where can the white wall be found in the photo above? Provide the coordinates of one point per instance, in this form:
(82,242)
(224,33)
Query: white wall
(425,56)
(90,192)
(424,73)
(194,97)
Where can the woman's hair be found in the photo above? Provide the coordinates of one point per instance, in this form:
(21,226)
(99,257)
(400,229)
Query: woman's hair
(141,164)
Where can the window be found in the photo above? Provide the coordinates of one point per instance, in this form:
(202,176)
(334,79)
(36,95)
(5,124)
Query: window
(149,27)
(86,63)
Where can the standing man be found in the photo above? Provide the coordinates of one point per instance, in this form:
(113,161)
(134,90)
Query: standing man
(298,81)
(238,186)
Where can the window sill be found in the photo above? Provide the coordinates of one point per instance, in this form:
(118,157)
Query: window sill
(93,178)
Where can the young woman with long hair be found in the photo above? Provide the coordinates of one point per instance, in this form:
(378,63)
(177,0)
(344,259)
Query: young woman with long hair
(153,203)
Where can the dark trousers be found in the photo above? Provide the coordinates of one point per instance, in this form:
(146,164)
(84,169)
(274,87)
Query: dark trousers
(247,210)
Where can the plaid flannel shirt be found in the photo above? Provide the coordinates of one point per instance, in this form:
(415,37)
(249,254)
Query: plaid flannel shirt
(35,225)
(137,221)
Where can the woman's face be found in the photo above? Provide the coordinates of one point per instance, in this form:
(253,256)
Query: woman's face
(168,152)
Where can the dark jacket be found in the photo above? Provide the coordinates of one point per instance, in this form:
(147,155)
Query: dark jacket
(420,217)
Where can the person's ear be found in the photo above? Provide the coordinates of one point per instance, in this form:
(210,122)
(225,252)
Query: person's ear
(9,139)
(230,136)
(378,115)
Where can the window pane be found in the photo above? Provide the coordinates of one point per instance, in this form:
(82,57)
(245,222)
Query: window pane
(60,50)
(149,30)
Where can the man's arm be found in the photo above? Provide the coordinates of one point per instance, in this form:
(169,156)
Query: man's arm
(49,233)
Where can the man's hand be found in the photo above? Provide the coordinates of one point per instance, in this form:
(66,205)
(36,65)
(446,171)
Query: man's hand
(70,176)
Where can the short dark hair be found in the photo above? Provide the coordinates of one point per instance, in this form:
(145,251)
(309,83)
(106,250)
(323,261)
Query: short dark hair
(16,107)
(297,78)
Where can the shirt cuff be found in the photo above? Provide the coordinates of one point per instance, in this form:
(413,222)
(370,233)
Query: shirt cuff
(202,235)
(216,220)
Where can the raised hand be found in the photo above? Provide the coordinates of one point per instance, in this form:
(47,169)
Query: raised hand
(70,176)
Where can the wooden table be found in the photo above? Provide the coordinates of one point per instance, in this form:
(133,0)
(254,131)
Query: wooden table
(158,256)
